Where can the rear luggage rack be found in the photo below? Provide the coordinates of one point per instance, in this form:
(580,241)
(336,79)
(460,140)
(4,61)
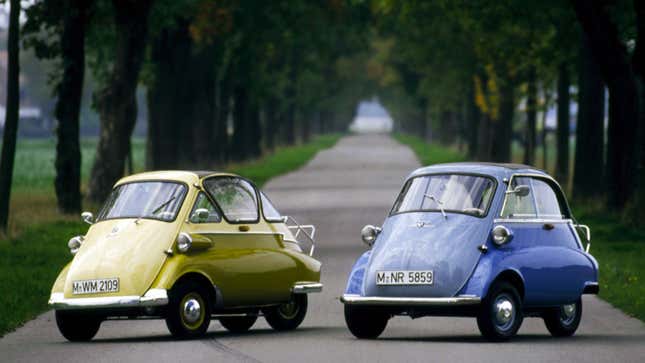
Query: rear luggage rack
(308,230)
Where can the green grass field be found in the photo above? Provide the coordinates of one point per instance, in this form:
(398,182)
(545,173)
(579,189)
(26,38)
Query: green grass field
(618,247)
(31,259)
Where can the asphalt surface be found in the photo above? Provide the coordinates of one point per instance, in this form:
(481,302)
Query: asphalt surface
(340,190)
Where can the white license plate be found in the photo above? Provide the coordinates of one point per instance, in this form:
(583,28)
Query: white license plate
(97,286)
(404,277)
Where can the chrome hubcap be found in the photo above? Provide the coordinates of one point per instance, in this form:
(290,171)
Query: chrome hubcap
(288,310)
(568,313)
(503,312)
(192,311)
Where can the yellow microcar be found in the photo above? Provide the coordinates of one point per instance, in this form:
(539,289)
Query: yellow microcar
(185,247)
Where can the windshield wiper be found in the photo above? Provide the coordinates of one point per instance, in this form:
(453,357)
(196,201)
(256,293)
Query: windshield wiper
(439,203)
(159,208)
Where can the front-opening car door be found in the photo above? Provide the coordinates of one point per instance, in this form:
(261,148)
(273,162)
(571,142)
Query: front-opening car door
(245,259)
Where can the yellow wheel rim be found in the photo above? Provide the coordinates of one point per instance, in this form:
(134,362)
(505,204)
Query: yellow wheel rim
(191,311)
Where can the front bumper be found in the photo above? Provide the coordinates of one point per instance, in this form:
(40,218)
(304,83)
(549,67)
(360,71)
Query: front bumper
(463,300)
(154,297)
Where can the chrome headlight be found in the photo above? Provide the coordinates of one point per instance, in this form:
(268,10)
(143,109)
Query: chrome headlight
(501,235)
(74,244)
(369,234)
(184,242)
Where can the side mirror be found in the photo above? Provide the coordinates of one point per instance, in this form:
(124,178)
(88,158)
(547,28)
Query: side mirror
(520,190)
(87,217)
(369,234)
(200,215)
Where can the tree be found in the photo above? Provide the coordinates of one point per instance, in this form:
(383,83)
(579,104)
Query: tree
(531,117)
(563,125)
(11,115)
(589,167)
(612,58)
(68,104)
(116,102)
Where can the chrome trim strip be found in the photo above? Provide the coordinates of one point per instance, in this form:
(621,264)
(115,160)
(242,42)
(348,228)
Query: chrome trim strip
(531,220)
(239,233)
(154,297)
(306,287)
(351,299)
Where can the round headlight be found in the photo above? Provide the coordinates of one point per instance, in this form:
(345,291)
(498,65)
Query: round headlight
(184,241)
(74,244)
(501,235)
(369,233)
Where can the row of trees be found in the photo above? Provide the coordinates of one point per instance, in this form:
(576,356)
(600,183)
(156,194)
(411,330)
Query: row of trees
(481,73)
(225,80)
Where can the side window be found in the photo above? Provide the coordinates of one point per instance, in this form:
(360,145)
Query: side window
(271,214)
(203,205)
(236,198)
(548,206)
(519,206)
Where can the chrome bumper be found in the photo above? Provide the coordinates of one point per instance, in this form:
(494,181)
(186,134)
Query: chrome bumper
(351,299)
(306,287)
(154,297)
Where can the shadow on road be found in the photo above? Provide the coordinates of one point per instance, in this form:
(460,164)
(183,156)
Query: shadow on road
(253,333)
(522,338)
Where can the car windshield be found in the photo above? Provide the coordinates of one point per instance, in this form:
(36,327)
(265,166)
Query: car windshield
(150,199)
(459,193)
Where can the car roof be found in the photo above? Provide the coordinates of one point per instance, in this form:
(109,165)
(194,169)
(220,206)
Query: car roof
(499,170)
(185,176)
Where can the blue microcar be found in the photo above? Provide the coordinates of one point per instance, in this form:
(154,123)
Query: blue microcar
(493,241)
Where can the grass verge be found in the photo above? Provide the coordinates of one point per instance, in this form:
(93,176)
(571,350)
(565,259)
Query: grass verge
(30,261)
(618,247)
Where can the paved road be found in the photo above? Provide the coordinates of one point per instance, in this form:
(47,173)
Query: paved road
(342,189)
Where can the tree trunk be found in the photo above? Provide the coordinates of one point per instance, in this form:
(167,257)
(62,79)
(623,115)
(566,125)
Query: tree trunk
(563,128)
(11,115)
(239,150)
(116,102)
(589,167)
(201,101)
(611,56)
(254,137)
(270,123)
(290,123)
(637,212)
(473,119)
(68,105)
(305,128)
(503,127)
(221,147)
(547,103)
(531,118)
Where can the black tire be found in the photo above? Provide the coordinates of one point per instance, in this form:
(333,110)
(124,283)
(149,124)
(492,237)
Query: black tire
(238,324)
(563,321)
(77,327)
(365,322)
(287,316)
(500,315)
(188,313)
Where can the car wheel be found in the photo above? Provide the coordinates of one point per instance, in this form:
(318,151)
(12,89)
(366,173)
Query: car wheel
(365,322)
(564,320)
(287,316)
(500,316)
(238,324)
(189,312)
(77,327)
